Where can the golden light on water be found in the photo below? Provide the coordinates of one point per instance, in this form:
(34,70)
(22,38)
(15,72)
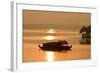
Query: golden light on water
(49,37)
(50,56)
(51,31)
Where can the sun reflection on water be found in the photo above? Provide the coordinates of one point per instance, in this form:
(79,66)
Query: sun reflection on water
(50,56)
(50,36)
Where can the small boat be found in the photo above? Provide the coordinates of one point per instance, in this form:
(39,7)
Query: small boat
(56,46)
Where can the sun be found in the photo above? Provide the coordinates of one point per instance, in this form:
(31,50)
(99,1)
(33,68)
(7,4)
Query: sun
(51,31)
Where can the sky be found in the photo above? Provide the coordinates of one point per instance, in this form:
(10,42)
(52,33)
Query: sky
(35,19)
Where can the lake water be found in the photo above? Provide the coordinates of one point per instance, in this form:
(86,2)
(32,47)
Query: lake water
(33,38)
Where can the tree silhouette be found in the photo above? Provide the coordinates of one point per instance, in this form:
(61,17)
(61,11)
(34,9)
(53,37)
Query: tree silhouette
(86,37)
(85,29)
(88,30)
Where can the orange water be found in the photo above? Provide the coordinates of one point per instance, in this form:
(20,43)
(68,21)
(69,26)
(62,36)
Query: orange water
(32,53)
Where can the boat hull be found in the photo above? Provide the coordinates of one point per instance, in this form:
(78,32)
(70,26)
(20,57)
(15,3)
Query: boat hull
(55,48)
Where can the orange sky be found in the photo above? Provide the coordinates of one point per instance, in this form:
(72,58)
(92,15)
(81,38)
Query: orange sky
(50,19)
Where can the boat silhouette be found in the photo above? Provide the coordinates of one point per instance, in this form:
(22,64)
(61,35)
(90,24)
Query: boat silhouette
(56,46)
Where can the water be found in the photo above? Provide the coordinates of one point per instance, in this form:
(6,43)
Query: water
(33,38)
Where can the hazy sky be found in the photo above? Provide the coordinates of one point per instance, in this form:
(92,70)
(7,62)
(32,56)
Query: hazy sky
(55,20)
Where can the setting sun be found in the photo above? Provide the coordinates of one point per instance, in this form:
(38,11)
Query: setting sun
(51,31)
